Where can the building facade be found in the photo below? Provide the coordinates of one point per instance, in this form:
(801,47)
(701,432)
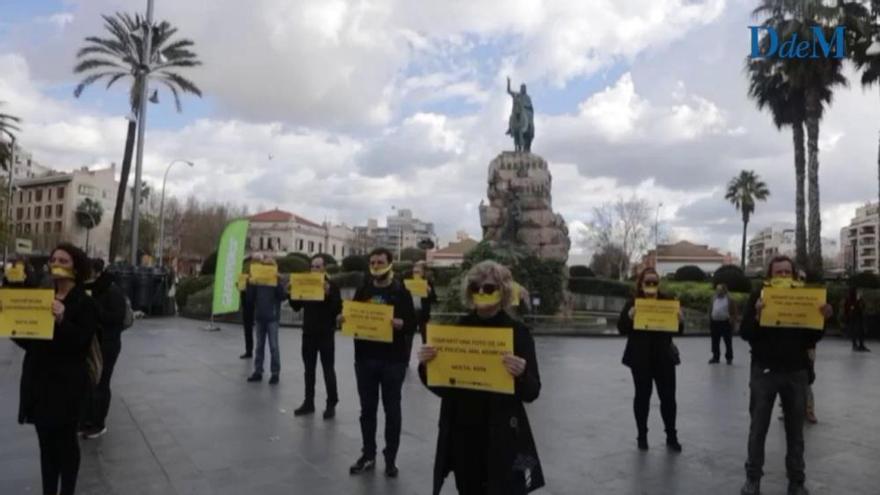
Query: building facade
(858,240)
(779,240)
(668,258)
(25,167)
(44,209)
(278,233)
(453,254)
(401,231)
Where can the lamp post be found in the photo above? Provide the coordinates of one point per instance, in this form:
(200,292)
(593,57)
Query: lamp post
(8,217)
(162,209)
(144,75)
(89,230)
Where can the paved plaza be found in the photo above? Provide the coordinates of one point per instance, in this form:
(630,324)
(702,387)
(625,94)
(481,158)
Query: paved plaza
(183,421)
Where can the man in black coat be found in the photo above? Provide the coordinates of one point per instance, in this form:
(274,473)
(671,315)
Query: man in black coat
(111,314)
(779,366)
(380,365)
(319,328)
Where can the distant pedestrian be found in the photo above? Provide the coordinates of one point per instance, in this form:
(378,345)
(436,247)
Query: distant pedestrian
(484,438)
(247,311)
(854,317)
(381,366)
(780,366)
(423,305)
(318,339)
(111,305)
(651,357)
(722,318)
(54,373)
(266,300)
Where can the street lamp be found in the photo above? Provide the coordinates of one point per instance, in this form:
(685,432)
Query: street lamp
(89,230)
(8,217)
(162,209)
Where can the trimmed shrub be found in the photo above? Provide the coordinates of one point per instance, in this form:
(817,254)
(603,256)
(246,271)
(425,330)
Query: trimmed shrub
(733,277)
(865,280)
(348,279)
(334,269)
(690,273)
(412,254)
(189,286)
(329,260)
(443,275)
(580,271)
(293,264)
(355,263)
(209,266)
(600,287)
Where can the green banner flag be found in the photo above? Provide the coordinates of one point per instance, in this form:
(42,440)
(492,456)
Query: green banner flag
(230,255)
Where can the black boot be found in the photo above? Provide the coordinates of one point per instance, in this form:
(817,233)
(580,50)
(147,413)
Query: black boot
(672,443)
(307,407)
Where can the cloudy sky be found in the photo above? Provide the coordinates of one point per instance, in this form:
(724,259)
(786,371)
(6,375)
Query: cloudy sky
(369,104)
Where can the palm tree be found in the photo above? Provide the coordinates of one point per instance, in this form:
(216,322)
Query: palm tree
(120,56)
(88,216)
(742,191)
(8,126)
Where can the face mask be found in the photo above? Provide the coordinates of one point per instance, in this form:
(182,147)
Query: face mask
(485,300)
(650,291)
(381,272)
(782,282)
(62,272)
(417,276)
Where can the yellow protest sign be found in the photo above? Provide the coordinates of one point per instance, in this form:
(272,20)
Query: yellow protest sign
(470,357)
(417,286)
(264,274)
(368,321)
(659,315)
(15,273)
(798,308)
(27,313)
(307,286)
(242,282)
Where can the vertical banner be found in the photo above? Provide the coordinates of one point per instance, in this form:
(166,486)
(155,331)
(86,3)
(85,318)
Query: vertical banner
(230,256)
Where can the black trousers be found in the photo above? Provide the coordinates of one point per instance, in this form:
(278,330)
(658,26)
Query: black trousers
(248,322)
(314,345)
(792,390)
(721,329)
(99,403)
(644,379)
(59,458)
(857,333)
(372,377)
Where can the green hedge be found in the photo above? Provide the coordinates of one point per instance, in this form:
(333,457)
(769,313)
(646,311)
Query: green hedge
(293,263)
(348,279)
(191,285)
(597,286)
(355,263)
(690,273)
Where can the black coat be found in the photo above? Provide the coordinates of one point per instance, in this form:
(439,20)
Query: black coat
(319,317)
(777,349)
(54,375)
(644,349)
(397,350)
(511,446)
(110,302)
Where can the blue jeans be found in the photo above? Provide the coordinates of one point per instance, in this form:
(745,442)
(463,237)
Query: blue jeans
(373,376)
(269,328)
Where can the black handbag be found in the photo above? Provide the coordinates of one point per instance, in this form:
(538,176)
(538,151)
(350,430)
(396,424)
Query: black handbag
(674,354)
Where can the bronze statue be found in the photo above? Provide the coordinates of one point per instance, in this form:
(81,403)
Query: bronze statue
(521,125)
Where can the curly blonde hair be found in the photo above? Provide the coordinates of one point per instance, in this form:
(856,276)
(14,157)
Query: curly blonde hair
(488,272)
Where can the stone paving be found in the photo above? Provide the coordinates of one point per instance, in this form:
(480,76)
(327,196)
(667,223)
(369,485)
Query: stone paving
(183,421)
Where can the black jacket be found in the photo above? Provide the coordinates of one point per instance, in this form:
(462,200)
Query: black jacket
(319,317)
(396,351)
(426,302)
(777,349)
(644,348)
(511,446)
(54,376)
(111,306)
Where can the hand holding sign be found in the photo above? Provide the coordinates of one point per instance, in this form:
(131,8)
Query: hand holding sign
(515,365)
(58,310)
(427,354)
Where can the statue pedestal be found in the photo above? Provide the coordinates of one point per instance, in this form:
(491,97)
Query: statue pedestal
(520,207)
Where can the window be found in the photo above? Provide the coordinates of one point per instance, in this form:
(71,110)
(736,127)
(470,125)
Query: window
(247,243)
(37,213)
(59,209)
(27,228)
(30,196)
(48,211)
(47,227)
(300,248)
(49,194)
(19,213)
(39,195)
(36,228)
(334,250)
(269,243)
(342,251)
(311,246)
(60,192)
(57,226)
(86,190)
(320,247)
(18,228)
(21,196)
(261,243)
(27,214)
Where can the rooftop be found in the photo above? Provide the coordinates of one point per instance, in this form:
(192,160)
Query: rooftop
(277,215)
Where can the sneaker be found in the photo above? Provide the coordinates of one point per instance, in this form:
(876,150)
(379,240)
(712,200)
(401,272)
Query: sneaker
(304,409)
(714,361)
(864,349)
(364,463)
(811,418)
(256,377)
(95,432)
(274,380)
(642,442)
(797,489)
(730,361)
(330,412)
(673,445)
(246,355)
(751,487)
(391,470)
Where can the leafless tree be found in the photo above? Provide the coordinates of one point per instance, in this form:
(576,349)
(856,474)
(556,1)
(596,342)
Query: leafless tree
(625,225)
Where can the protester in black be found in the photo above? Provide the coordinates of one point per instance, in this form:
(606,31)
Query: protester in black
(780,366)
(54,375)
(484,438)
(111,306)
(423,304)
(651,357)
(382,366)
(854,316)
(319,330)
(247,311)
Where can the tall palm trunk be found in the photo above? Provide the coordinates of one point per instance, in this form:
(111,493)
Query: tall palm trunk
(814,231)
(743,250)
(800,230)
(116,230)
